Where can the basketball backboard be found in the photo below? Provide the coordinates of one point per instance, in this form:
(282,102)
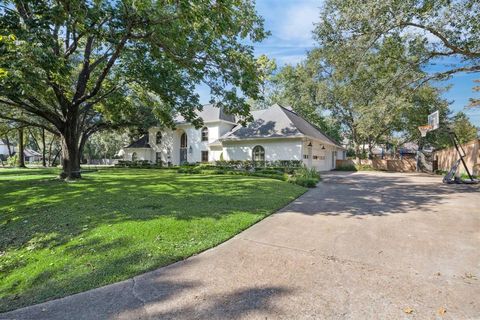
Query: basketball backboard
(434,120)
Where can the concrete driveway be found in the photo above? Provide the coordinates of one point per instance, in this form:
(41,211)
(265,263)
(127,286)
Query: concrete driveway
(364,245)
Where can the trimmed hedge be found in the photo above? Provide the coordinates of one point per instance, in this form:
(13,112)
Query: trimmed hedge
(292,171)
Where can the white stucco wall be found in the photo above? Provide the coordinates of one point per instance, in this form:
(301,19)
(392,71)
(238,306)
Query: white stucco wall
(142,154)
(170,145)
(275,149)
(325,157)
(278,149)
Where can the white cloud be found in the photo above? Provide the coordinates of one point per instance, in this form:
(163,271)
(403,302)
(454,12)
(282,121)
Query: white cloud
(298,23)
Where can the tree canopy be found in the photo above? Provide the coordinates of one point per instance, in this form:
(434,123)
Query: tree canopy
(368,69)
(78,67)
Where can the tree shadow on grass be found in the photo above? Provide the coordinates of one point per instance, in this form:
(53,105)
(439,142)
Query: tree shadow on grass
(43,207)
(157,295)
(58,280)
(40,218)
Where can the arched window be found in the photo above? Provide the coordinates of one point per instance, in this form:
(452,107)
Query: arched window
(134,156)
(204,134)
(183,140)
(258,153)
(159,137)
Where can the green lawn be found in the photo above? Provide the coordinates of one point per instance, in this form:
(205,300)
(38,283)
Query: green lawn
(59,238)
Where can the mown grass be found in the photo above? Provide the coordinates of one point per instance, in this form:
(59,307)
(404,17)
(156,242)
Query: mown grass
(59,238)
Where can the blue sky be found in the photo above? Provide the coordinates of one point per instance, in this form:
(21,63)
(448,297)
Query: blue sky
(291,23)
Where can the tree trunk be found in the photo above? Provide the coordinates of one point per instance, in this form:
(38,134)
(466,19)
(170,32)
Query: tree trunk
(357,152)
(8,146)
(50,151)
(21,155)
(70,154)
(44,149)
(370,150)
(52,162)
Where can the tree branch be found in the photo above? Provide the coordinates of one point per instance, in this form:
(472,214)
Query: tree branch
(445,41)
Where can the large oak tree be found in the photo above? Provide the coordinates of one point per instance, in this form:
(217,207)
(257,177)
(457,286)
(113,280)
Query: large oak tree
(76,67)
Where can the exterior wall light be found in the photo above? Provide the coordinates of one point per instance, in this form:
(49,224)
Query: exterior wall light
(190,149)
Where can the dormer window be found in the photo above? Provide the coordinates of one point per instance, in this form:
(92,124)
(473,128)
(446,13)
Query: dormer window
(204,134)
(159,138)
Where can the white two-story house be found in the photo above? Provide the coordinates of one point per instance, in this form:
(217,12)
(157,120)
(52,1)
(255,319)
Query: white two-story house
(276,133)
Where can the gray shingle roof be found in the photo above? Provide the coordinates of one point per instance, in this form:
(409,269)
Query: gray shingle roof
(140,143)
(276,122)
(210,112)
(309,129)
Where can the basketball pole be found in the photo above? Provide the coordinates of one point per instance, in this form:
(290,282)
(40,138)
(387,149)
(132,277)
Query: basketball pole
(458,147)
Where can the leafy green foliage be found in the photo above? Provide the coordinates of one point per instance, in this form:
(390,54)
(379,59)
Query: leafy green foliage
(305,177)
(79,67)
(475,102)
(298,88)
(430,29)
(463,128)
(115,224)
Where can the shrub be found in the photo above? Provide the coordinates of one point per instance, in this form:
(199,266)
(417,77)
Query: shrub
(364,167)
(305,177)
(189,170)
(283,165)
(12,160)
(304,182)
(305,172)
(347,167)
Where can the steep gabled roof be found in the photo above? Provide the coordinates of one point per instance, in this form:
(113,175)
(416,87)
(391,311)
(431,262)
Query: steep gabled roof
(272,123)
(31,153)
(210,112)
(277,122)
(308,129)
(140,143)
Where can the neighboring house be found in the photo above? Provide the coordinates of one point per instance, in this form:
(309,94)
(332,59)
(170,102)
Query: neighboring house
(4,153)
(29,154)
(32,155)
(275,134)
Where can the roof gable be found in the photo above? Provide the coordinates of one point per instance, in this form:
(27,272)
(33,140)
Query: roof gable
(277,122)
(140,143)
(307,128)
(271,123)
(209,113)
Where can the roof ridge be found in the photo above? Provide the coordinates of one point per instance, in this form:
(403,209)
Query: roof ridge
(314,126)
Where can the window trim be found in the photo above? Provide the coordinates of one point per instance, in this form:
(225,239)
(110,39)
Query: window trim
(204,134)
(258,150)
(204,152)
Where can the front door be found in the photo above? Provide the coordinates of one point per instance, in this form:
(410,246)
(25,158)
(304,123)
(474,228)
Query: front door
(183,148)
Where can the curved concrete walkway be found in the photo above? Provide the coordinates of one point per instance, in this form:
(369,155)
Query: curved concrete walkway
(360,246)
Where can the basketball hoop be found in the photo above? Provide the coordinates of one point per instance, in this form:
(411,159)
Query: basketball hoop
(424,129)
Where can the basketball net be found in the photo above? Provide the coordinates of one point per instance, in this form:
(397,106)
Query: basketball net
(424,129)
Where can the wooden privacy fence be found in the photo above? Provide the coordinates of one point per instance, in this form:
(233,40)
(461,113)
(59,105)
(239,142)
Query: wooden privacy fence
(404,165)
(446,157)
